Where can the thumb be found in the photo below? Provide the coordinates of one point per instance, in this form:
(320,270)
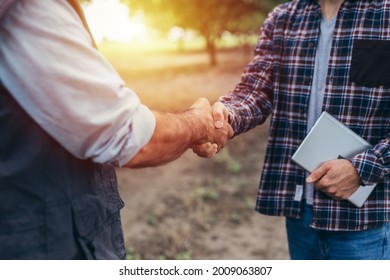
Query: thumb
(201,103)
(220,114)
(317,174)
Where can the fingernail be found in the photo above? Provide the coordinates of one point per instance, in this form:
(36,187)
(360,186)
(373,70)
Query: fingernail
(309,179)
(219,124)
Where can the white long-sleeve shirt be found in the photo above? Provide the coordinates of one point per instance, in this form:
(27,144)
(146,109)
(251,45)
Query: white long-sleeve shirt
(48,64)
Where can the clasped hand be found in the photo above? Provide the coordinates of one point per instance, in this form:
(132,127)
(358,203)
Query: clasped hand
(219,130)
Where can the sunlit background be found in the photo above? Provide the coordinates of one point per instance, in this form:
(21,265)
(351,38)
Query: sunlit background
(177,24)
(111,23)
(110,20)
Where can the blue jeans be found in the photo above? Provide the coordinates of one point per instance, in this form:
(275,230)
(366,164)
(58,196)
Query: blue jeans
(306,243)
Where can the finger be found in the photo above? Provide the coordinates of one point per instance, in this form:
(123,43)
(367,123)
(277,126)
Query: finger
(201,103)
(220,114)
(199,149)
(225,134)
(213,150)
(206,150)
(209,153)
(230,131)
(317,174)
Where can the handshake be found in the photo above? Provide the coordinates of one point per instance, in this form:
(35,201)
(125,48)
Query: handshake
(216,130)
(202,128)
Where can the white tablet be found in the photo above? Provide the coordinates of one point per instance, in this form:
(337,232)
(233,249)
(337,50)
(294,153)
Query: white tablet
(327,140)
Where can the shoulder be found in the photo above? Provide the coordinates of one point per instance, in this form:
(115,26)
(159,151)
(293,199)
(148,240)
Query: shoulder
(40,11)
(44,21)
(291,8)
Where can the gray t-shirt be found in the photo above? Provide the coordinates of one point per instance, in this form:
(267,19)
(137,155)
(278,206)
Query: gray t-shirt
(319,80)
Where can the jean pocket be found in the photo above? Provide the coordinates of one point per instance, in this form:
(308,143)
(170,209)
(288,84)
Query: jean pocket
(370,65)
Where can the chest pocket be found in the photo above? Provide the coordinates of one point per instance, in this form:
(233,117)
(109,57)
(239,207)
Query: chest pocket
(370,65)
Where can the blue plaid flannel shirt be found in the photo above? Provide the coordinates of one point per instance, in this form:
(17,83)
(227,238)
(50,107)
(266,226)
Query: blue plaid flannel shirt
(278,81)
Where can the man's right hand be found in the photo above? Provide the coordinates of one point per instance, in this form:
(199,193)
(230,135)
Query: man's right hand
(220,117)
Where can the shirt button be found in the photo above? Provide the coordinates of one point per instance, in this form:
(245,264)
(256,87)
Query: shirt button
(311,45)
(307,80)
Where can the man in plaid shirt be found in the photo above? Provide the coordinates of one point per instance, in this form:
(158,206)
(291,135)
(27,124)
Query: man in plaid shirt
(314,56)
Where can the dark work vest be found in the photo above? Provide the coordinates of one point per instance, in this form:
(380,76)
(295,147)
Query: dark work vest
(52,204)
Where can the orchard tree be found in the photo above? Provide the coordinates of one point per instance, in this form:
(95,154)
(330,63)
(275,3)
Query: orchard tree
(210,18)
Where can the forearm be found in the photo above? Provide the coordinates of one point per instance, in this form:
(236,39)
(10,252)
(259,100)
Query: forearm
(175,133)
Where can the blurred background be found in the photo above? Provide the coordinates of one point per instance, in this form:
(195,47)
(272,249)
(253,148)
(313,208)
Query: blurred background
(171,52)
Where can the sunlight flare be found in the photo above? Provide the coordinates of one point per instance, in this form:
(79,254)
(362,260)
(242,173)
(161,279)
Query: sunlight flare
(109,20)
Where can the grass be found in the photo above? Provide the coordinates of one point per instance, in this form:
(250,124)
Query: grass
(151,219)
(227,162)
(184,256)
(235,217)
(249,202)
(131,254)
(233,166)
(206,194)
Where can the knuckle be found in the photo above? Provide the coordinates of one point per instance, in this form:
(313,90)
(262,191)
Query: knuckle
(327,165)
(325,181)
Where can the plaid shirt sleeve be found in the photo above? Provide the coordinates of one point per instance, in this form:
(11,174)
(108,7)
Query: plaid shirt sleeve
(373,165)
(250,103)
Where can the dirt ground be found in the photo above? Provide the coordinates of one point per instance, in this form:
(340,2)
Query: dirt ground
(196,208)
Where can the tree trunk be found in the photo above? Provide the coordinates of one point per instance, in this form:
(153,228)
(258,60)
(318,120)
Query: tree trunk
(180,45)
(211,49)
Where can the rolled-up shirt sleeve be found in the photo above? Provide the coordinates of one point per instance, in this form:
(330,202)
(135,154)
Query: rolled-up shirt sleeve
(373,165)
(51,69)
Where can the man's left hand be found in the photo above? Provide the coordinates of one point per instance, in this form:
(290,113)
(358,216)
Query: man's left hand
(337,178)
